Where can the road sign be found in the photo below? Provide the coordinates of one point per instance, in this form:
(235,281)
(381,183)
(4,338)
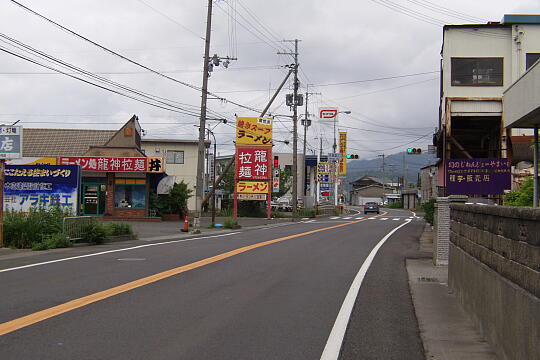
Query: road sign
(10,142)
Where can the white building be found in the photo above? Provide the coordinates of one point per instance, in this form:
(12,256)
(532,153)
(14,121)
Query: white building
(180,160)
(479,62)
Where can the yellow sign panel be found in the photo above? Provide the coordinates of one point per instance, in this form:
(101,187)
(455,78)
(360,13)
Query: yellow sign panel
(32,161)
(252,187)
(253,131)
(343,151)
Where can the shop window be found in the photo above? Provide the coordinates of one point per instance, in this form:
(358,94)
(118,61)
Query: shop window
(531,58)
(130,193)
(477,71)
(175,157)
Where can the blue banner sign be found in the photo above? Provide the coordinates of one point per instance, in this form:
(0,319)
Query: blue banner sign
(34,186)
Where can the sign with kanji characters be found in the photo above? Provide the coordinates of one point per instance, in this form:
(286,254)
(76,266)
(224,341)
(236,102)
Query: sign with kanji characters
(253,163)
(252,197)
(343,152)
(253,131)
(10,142)
(127,164)
(252,187)
(324,186)
(275,184)
(325,168)
(477,176)
(28,186)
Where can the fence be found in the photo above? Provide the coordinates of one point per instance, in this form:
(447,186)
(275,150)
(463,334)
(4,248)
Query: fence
(74,226)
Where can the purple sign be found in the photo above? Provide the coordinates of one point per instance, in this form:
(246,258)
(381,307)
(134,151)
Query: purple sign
(477,176)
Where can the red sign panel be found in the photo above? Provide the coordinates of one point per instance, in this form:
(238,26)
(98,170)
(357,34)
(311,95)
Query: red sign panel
(253,163)
(100,163)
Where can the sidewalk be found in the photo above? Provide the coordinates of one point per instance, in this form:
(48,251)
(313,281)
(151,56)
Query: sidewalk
(446,330)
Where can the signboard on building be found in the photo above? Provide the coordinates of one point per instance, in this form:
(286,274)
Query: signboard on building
(252,187)
(34,186)
(328,114)
(253,131)
(343,152)
(253,163)
(325,168)
(252,197)
(10,142)
(32,161)
(103,163)
(477,176)
(275,184)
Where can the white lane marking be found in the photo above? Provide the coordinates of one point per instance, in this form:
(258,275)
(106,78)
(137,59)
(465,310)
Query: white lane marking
(131,259)
(334,217)
(113,251)
(347,218)
(395,219)
(333,344)
(371,218)
(359,218)
(310,221)
(305,218)
(384,218)
(411,217)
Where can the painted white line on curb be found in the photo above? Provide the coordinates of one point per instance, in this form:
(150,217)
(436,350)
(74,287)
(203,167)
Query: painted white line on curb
(335,340)
(359,218)
(113,251)
(371,218)
(347,218)
(334,217)
(395,219)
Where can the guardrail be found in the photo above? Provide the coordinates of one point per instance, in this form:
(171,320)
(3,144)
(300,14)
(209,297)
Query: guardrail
(74,226)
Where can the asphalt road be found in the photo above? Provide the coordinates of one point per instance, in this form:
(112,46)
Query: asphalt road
(257,294)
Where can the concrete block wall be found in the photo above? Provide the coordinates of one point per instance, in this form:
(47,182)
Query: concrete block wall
(494,269)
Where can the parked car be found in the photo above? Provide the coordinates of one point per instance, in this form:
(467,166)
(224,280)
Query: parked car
(371,207)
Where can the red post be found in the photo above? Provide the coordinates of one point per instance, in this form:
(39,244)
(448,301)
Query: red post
(235,202)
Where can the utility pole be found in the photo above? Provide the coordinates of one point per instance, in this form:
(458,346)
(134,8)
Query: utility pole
(307,123)
(382,174)
(199,189)
(295,128)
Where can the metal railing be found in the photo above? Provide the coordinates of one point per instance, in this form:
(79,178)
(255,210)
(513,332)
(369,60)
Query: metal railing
(74,226)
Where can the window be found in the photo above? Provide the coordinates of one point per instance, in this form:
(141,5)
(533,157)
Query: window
(477,71)
(130,193)
(531,58)
(175,157)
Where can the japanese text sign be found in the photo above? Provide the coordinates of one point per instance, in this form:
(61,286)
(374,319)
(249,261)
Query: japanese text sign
(252,187)
(252,197)
(477,176)
(325,168)
(128,164)
(343,152)
(253,163)
(10,142)
(28,186)
(253,131)
(328,114)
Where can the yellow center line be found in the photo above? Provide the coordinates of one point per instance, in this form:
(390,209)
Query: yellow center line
(24,321)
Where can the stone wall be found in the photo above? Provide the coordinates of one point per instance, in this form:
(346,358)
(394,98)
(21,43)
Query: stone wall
(494,269)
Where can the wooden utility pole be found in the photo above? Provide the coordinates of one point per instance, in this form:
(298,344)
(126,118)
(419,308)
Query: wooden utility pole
(2,175)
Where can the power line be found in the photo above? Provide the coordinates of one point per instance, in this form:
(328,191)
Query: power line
(377,79)
(112,52)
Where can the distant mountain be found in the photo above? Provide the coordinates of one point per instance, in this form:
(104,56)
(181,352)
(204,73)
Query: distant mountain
(393,167)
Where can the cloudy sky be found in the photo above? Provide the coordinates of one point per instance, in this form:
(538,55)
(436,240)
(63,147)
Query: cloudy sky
(377,59)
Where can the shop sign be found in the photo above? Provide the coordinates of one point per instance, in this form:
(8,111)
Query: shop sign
(10,142)
(252,197)
(253,163)
(41,186)
(252,187)
(477,176)
(32,161)
(253,131)
(127,164)
(275,184)
(343,152)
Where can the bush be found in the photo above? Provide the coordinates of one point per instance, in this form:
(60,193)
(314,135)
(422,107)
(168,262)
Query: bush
(94,233)
(230,223)
(116,229)
(175,202)
(58,240)
(307,213)
(521,197)
(395,205)
(225,213)
(429,210)
(24,230)
(39,246)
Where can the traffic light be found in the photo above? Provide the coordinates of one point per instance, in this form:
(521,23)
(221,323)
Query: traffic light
(276,161)
(414,151)
(351,156)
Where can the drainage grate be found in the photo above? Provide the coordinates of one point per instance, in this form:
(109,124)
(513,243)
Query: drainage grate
(428,279)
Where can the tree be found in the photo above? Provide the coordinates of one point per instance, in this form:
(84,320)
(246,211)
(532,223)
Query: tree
(521,197)
(176,201)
